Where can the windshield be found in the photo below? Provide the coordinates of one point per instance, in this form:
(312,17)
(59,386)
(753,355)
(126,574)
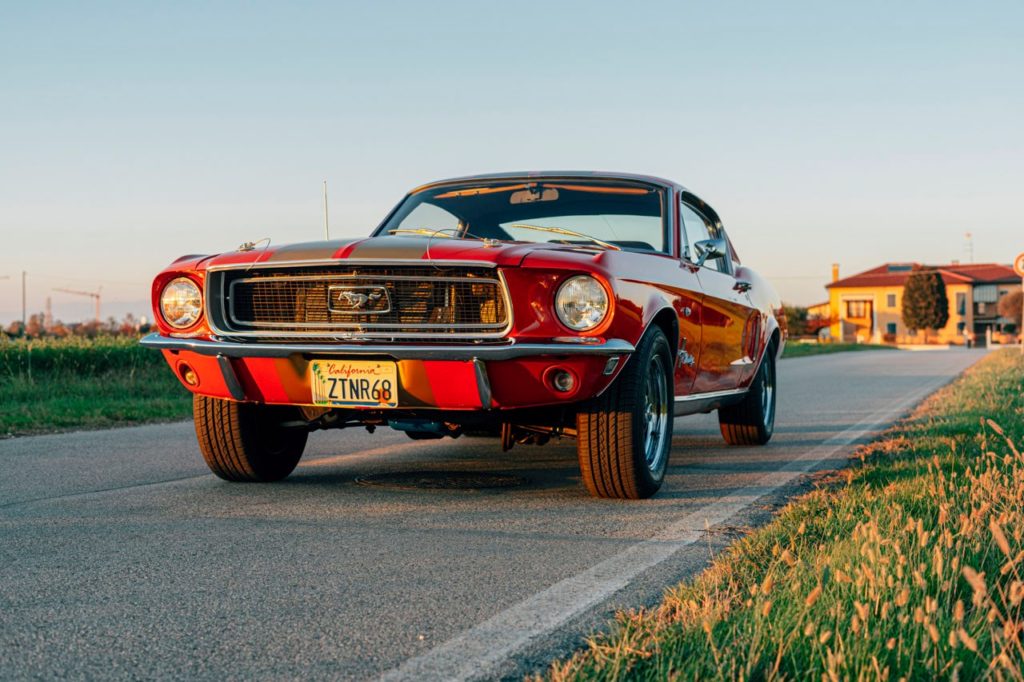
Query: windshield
(599,215)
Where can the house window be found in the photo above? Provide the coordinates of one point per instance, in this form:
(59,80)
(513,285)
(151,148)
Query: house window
(890,328)
(961,303)
(986,293)
(890,301)
(857,309)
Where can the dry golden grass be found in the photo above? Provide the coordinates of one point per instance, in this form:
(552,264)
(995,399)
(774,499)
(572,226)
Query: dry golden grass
(913,568)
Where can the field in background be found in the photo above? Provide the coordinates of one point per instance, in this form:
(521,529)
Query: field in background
(55,384)
(799,350)
(910,564)
(77,382)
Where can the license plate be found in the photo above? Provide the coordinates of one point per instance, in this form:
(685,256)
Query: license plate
(348,383)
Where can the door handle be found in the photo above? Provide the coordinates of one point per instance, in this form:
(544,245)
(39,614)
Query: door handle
(742,286)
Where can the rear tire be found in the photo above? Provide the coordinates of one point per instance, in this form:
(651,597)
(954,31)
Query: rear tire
(247,442)
(624,436)
(752,421)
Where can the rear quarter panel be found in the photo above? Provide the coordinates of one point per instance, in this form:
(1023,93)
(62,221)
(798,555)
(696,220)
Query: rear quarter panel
(766,301)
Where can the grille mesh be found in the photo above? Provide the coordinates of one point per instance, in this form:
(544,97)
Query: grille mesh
(370,301)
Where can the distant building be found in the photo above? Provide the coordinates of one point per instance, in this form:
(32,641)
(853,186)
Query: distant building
(819,316)
(867,307)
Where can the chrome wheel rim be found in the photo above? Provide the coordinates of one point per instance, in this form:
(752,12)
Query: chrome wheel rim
(655,416)
(767,393)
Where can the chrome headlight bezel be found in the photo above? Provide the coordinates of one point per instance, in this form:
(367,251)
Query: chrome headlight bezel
(181,303)
(582,303)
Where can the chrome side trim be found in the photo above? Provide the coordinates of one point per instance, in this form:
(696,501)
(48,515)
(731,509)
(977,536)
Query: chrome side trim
(505,351)
(711,395)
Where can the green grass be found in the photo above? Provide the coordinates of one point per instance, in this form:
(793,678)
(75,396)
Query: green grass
(909,564)
(799,350)
(60,384)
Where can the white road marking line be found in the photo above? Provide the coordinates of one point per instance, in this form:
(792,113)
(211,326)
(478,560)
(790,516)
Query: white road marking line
(476,652)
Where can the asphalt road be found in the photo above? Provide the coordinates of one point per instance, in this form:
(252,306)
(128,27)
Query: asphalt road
(120,556)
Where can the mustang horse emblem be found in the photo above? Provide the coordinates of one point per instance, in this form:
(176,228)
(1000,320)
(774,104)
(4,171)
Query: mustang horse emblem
(352,300)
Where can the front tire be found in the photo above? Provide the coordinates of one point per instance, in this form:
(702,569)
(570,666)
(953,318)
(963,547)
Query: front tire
(752,421)
(624,436)
(245,442)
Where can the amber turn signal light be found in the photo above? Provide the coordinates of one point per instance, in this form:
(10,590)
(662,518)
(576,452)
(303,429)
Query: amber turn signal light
(188,375)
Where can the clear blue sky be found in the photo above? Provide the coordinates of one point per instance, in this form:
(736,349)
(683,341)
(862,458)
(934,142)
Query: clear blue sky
(132,133)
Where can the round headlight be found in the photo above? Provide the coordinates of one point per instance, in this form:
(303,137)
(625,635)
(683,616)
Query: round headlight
(581,303)
(181,303)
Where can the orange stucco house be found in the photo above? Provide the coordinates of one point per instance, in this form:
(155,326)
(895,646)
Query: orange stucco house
(867,307)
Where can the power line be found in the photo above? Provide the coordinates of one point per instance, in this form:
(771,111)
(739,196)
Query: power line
(90,280)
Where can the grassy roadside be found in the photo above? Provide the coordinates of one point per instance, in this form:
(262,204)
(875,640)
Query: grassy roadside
(799,350)
(912,567)
(51,385)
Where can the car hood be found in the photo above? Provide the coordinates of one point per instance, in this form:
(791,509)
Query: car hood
(399,249)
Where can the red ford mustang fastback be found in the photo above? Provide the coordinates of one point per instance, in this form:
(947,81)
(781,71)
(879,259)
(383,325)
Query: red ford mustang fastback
(594,306)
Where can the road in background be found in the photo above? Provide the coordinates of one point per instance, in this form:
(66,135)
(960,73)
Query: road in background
(120,556)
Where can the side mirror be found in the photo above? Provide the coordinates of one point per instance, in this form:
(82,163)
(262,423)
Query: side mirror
(709,249)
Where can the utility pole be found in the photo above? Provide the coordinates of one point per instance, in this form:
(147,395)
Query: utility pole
(327,231)
(24,308)
(1018,267)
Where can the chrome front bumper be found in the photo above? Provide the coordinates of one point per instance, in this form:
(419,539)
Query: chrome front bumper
(507,351)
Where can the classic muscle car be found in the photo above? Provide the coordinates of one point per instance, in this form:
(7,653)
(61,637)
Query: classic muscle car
(528,306)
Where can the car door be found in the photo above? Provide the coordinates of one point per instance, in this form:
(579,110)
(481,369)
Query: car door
(727,312)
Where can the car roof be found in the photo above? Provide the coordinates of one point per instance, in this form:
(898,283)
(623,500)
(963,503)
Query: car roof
(553,175)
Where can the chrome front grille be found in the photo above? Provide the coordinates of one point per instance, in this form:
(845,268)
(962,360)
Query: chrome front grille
(365,301)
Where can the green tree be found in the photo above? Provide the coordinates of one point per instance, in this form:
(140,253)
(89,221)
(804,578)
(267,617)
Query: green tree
(796,316)
(1010,307)
(925,305)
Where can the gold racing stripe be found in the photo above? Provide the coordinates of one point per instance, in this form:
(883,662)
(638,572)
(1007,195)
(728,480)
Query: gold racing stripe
(393,248)
(321,250)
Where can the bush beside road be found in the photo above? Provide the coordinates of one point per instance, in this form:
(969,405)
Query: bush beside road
(56,384)
(909,564)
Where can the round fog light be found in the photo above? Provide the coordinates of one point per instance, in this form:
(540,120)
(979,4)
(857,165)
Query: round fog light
(563,381)
(188,375)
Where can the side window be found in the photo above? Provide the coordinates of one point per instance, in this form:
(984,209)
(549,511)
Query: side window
(698,228)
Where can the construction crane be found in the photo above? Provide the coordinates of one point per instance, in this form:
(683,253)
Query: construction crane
(94,295)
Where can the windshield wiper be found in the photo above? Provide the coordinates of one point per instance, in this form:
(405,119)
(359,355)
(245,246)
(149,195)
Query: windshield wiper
(422,230)
(570,233)
(442,233)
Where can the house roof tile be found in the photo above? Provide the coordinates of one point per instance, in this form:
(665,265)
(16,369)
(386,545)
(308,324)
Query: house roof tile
(895,274)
